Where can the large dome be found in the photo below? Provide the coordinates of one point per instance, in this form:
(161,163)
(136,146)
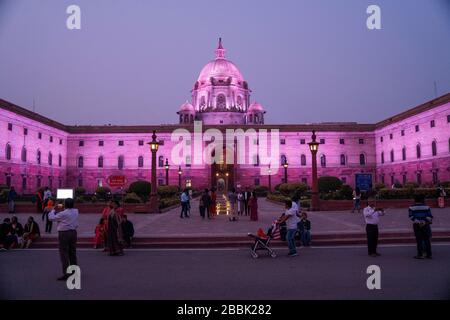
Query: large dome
(220,69)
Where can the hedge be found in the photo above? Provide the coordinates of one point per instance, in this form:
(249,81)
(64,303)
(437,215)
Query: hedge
(167,191)
(329,184)
(293,189)
(408,193)
(261,191)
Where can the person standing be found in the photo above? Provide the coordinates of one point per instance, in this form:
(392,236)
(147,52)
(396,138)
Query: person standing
(246,198)
(421,217)
(232,198)
(99,238)
(67,224)
(204,203)
(291,219)
(39,201)
(372,218)
(212,206)
(47,195)
(12,194)
(356,200)
(47,209)
(240,203)
(128,231)
(184,198)
(305,224)
(114,236)
(253,205)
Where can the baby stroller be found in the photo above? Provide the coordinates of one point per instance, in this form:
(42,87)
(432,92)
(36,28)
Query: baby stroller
(262,240)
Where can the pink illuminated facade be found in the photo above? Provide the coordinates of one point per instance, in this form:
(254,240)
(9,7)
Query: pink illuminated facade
(35,151)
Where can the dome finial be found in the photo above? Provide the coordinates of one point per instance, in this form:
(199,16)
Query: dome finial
(220,51)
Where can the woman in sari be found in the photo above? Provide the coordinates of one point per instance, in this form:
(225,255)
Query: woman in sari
(253,203)
(114,236)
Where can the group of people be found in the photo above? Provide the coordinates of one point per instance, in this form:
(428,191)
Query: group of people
(14,235)
(114,231)
(420,216)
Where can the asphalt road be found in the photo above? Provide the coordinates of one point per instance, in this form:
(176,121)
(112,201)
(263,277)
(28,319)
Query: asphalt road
(317,273)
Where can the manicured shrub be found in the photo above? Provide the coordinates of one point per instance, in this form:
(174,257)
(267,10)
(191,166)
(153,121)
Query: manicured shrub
(411,185)
(168,202)
(103,192)
(345,192)
(79,191)
(329,184)
(379,186)
(277,197)
(141,188)
(445,184)
(167,191)
(131,198)
(293,189)
(261,191)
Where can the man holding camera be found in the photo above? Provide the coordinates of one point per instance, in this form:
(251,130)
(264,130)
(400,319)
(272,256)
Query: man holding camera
(372,217)
(67,219)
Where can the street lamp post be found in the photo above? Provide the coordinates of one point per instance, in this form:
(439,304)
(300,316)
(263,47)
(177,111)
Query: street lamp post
(167,166)
(314,147)
(179,177)
(285,165)
(153,193)
(270,179)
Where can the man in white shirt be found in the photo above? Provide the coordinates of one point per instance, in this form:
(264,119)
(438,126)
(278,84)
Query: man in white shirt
(47,194)
(372,218)
(291,219)
(67,234)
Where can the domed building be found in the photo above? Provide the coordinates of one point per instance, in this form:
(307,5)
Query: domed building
(413,146)
(220,94)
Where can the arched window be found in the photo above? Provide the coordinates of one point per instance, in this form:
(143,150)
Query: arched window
(161,161)
(181,118)
(186,118)
(59,160)
(323,161)
(256,160)
(141,162)
(188,161)
(191,118)
(404,153)
(303,160)
(250,118)
(283,159)
(23,156)
(343,159)
(392,155)
(8,152)
(80,161)
(50,159)
(38,157)
(434,148)
(362,159)
(120,162)
(418,151)
(449,145)
(202,102)
(100,162)
(221,102)
(382,157)
(256,118)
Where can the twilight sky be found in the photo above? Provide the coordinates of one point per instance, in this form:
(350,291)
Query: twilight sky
(135,62)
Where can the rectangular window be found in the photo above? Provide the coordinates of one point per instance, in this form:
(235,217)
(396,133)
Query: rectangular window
(257,183)
(141,142)
(25,131)
(448,118)
(282,141)
(24,182)
(160,182)
(344,180)
(381,139)
(391,136)
(10,126)
(39,135)
(322,141)
(305,180)
(341,141)
(417,128)
(361,141)
(101,143)
(81,143)
(120,143)
(432,124)
(302,141)
(60,141)
(51,139)
(402,132)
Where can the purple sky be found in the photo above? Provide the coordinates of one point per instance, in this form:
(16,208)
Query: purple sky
(135,62)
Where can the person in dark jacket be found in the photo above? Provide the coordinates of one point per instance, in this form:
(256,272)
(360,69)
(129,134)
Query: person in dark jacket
(127,230)
(7,239)
(306,229)
(12,194)
(17,229)
(204,203)
(421,217)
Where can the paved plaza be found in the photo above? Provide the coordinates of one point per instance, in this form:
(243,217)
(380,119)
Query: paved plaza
(169,224)
(317,273)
